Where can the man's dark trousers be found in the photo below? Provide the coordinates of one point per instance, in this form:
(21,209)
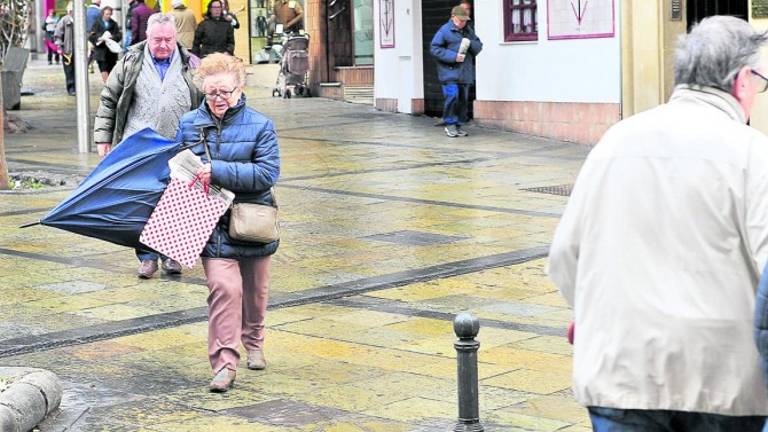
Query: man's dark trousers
(456,103)
(632,420)
(69,73)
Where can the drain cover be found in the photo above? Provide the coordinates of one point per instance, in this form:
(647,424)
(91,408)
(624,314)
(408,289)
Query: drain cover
(561,190)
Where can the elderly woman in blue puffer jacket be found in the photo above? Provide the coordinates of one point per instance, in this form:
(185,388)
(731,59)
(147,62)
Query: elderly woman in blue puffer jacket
(246,160)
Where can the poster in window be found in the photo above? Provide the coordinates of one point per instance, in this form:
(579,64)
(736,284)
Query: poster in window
(387,23)
(580,19)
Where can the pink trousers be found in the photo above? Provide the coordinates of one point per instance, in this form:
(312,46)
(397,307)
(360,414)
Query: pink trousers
(237,305)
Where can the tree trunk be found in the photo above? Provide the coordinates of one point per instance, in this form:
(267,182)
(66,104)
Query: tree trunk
(3,163)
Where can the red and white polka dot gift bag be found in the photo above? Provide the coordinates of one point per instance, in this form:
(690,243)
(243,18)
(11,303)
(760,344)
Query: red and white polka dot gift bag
(183,220)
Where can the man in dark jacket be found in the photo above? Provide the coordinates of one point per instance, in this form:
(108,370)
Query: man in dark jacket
(215,33)
(454,48)
(139,17)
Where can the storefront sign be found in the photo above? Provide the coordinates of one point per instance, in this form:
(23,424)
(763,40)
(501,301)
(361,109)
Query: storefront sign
(387,23)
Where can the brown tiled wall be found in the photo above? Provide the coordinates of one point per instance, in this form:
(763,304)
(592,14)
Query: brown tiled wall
(332,92)
(417,106)
(314,18)
(385,104)
(583,123)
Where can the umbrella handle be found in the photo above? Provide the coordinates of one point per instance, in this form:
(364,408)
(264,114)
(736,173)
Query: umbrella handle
(195,180)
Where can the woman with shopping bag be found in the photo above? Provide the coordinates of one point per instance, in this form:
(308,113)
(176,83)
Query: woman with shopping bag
(240,153)
(105,35)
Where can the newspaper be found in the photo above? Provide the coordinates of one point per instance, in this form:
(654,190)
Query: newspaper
(184,166)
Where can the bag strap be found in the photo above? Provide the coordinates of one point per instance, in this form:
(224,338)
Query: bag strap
(204,139)
(210,160)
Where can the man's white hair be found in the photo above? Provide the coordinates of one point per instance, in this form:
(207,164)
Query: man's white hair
(159,19)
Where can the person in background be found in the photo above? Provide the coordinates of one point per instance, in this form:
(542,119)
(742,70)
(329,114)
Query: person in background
(151,86)
(186,23)
(139,20)
(454,48)
(214,34)
(92,14)
(240,153)
(104,57)
(64,36)
(128,35)
(661,246)
(49,28)
(290,14)
(229,15)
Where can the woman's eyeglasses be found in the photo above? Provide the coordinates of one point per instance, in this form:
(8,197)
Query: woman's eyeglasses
(224,94)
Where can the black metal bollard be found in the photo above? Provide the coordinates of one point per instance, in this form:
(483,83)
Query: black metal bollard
(466,327)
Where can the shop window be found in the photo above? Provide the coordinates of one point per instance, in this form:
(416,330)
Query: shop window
(260,14)
(520,20)
(362,21)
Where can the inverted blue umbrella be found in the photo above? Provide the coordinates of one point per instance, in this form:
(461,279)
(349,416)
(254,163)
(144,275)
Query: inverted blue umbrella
(115,201)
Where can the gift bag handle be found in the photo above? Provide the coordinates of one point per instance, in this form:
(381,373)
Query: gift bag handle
(195,180)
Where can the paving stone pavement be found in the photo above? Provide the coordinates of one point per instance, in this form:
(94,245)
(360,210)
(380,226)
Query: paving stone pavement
(390,229)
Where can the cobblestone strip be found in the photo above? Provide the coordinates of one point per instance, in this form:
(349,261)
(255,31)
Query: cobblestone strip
(423,201)
(394,307)
(23,345)
(382,170)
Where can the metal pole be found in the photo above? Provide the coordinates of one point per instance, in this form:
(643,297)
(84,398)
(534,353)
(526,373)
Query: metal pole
(81,78)
(37,33)
(466,328)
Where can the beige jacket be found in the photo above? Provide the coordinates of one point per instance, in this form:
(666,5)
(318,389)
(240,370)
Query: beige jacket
(659,252)
(186,24)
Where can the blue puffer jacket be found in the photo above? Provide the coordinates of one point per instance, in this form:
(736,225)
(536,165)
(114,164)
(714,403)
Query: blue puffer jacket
(246,160)
(445,47)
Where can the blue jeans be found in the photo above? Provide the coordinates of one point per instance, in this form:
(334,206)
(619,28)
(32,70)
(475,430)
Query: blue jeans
(621,420)
(456,103)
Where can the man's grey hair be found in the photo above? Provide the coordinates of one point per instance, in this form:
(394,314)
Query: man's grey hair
(158,19)
(715,50)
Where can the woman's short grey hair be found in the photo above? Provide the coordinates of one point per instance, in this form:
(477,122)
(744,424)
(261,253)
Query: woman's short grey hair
(158,19)
(715,50)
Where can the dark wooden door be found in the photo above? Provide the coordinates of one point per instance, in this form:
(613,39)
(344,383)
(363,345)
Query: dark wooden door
(434,13)
(700,9)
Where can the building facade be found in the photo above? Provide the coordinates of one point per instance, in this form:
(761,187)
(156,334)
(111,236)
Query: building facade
(565,69)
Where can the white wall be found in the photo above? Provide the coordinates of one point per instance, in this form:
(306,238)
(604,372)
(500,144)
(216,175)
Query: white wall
(578,70)
(398,71)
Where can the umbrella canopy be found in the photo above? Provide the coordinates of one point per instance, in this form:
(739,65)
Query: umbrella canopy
(115,201)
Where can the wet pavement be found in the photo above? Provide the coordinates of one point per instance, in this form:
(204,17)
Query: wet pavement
(389,229)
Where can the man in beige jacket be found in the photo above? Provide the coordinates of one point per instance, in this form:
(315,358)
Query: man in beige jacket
(661,246)
(186,24)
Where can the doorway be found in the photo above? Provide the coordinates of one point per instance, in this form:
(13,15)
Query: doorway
(435,13)
(697,10)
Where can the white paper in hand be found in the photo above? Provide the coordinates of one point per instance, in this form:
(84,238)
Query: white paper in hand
(464,46)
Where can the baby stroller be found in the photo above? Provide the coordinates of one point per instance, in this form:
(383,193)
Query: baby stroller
(294,66)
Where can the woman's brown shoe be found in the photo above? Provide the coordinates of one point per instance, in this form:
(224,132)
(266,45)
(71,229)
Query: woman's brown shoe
(256,360)
(223,381)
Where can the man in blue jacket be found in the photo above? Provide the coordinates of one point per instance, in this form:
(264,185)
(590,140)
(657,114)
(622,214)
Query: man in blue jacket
(454,47)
